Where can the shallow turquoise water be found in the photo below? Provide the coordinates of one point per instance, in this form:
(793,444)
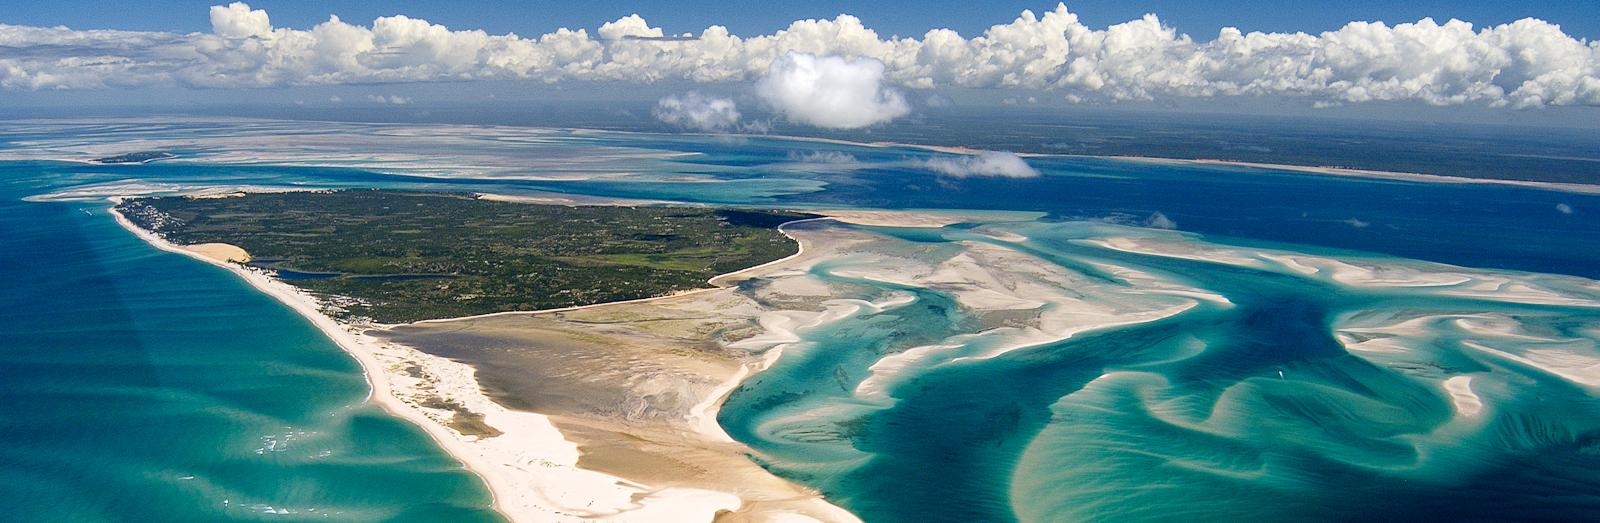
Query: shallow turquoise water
(1249,410)
(141,385)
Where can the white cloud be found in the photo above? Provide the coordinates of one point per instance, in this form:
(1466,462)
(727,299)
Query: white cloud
(1160,221)
(699,112)
(821,162)
(1563,208)
(823,157)
(834,92)
(1525,63)
(237,20)
(985,163)
(631,26)
(391,99)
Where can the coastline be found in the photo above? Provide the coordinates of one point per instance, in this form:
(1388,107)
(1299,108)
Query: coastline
(530,469)
(350,342)
(1363,173)
(531,466)
(1579,188)
(712,281)
(1308,169)
(928,218)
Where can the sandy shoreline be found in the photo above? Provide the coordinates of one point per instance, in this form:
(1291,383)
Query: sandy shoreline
(1323,170)
(530,467)
(1364,173)
(609,411)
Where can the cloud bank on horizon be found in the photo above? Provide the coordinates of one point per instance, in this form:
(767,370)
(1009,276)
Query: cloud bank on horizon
(1528,63)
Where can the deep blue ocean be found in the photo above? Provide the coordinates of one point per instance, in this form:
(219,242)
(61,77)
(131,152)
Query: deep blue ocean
(137,384)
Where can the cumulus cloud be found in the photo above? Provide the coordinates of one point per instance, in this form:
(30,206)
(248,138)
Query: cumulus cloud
(698,112)
(1525,63)
(238,20)
(1563,208)
(834,92)
(1000,164)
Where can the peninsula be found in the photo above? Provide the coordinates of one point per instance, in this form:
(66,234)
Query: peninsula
(614,421)
(396,257)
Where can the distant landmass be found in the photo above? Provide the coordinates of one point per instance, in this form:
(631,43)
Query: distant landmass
(140,157)
(1504,152)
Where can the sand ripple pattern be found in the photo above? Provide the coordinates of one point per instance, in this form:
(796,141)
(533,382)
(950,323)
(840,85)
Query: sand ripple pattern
(1071,371)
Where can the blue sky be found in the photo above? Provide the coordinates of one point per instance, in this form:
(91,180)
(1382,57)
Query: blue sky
(1201,19)
(805,62)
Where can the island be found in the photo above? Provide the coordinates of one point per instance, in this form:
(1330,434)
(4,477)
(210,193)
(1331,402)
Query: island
(397,257)
(574,357)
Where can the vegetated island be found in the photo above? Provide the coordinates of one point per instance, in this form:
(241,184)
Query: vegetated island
(139,157)
(639,441)
(396,257)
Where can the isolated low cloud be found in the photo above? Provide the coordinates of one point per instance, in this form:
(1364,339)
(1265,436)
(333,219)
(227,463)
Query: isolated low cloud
(821,162)
(833,92)
(823,157)
(1157,220)
(1000,164)
(698,112)
(391,99)
(1526,63)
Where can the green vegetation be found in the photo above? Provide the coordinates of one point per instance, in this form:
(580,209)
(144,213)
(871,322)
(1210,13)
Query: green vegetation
(400,256)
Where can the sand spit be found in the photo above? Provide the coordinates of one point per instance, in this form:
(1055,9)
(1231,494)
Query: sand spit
(636,385)
(928,218)
(608,412)
(1366,173)
(220,252)
(660,459)
(530,466)
(1322,170)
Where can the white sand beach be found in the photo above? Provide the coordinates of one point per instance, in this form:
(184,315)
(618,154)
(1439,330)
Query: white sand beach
(537,468)
(530,467)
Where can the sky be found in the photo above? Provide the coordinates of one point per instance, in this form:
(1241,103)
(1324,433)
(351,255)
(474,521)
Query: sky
(823,63)
(1199,18)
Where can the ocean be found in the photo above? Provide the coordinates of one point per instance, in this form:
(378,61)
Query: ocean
(139,385)
(1337,333)
(1250,406)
